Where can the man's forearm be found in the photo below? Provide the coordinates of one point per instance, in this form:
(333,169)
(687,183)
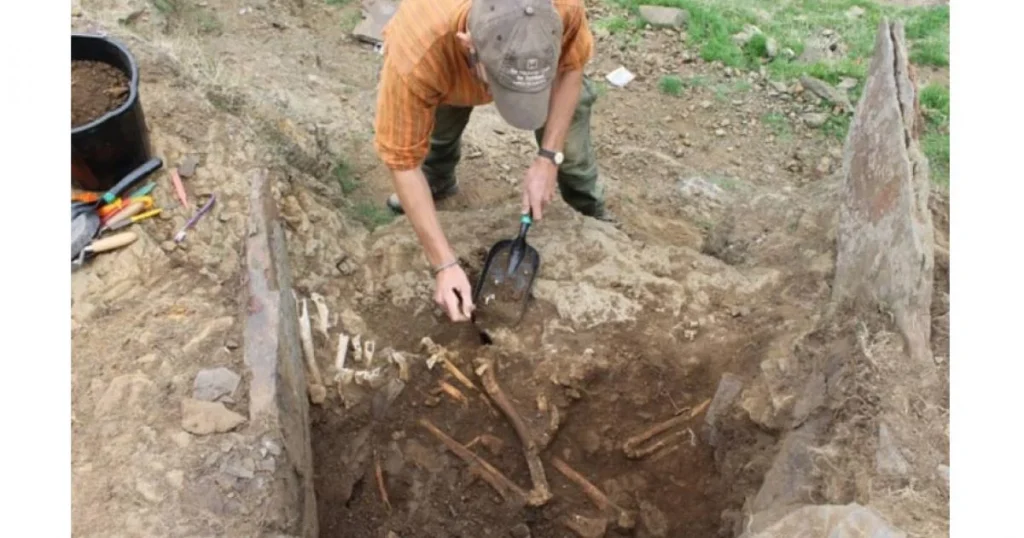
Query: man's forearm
(418,204)
(564,96)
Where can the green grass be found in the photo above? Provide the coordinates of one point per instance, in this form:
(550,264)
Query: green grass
(934,100)
(713,23)
(372,215)
(778,124)
(671,85)
(342,173)
(794,23)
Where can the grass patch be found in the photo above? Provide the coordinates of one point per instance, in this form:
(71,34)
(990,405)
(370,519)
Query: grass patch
(792,23)
(778,124)
(934,100)
(372,215)
(342,173)
(671,85)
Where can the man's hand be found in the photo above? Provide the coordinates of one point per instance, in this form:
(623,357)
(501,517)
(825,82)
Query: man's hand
(539,187)
(453,293)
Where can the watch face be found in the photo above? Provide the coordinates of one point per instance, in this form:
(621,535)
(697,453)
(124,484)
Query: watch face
(559,158)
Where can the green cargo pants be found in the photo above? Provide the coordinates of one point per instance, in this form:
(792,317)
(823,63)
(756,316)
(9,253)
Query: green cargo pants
(577,176)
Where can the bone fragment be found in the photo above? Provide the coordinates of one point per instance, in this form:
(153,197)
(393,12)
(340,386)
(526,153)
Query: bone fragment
(315,386)
(323,316)
(357,348)
(379,473)
(403,365)
(368,350)
(623,518)
(454,393)
(479,467)
(342,354)
(632,445)
(541,492)
(457,374)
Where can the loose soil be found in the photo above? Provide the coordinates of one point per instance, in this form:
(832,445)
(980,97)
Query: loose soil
(96,88)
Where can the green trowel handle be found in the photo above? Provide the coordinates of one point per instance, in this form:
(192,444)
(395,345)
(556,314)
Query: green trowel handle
(524,225)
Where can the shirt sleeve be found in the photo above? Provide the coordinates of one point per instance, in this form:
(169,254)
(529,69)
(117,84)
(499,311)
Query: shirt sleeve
(577,40)
(404,119)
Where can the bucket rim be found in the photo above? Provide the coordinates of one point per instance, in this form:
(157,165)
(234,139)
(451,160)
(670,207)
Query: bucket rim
(133,84)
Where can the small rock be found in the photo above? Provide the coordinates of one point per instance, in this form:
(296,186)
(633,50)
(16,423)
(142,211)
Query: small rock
(815,119)
(847,83)
(168,246)
(748,33)
(244,468)
(521,530)
(187,168)
(586,527)
(181,439)
(771,47)
(653,519)
(825,91)
(778,86)
(705,104)
(729,388)
(664,17)
(267,465)
(824,167)
(493,444)
(943,472)
(203,418)
(176,478)
(149,491)
(213,384)
(272,447)
(855,12)
(231,344)
(719,132)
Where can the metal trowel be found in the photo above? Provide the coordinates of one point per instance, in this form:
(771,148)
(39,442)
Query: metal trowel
(502,292)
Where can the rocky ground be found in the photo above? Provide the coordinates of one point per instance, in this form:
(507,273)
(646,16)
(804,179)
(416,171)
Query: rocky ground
(712,290)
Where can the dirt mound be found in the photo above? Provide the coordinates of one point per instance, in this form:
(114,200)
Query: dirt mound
(96,88)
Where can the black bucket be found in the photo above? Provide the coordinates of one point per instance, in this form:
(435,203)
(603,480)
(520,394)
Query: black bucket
(110,147)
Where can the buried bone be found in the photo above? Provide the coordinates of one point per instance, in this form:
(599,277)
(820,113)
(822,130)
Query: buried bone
(357,348)
(368,350)
(479,467)
(541,492)
(341,355)
(317,390)
(323,317)
(623,519)
(403,365)
(632,446)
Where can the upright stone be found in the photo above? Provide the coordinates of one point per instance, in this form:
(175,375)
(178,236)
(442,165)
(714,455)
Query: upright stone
(885,239)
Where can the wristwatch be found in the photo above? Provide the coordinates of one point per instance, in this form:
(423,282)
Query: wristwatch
(553,156)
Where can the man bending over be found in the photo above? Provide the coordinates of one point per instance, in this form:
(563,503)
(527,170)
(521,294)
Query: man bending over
(444,57)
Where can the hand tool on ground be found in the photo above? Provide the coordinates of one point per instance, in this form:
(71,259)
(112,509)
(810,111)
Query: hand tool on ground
(179,188)
(180,236)
(134,207)
(129,221)
(503,289)
(105,244)
(85,222)
(142,171)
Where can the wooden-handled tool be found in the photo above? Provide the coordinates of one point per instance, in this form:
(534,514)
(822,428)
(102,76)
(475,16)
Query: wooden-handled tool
(106,244)
(112,242)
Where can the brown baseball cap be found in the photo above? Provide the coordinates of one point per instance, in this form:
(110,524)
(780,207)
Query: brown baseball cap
(518,42)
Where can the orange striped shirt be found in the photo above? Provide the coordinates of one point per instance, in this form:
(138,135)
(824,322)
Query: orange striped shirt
(425,66)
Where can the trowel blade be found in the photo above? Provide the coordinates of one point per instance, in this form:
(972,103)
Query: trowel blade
(501,297)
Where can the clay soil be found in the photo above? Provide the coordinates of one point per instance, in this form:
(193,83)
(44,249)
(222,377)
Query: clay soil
(96,88)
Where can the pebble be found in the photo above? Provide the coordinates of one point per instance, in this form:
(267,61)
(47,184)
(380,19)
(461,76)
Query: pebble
(231,344)
(815,119)
(176,478)
(148,491)
(187,168)
(212,384)
(653,519)
(719,132)
(181,439)
(203,418)
(168,246)
(239,467)
(521,530)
